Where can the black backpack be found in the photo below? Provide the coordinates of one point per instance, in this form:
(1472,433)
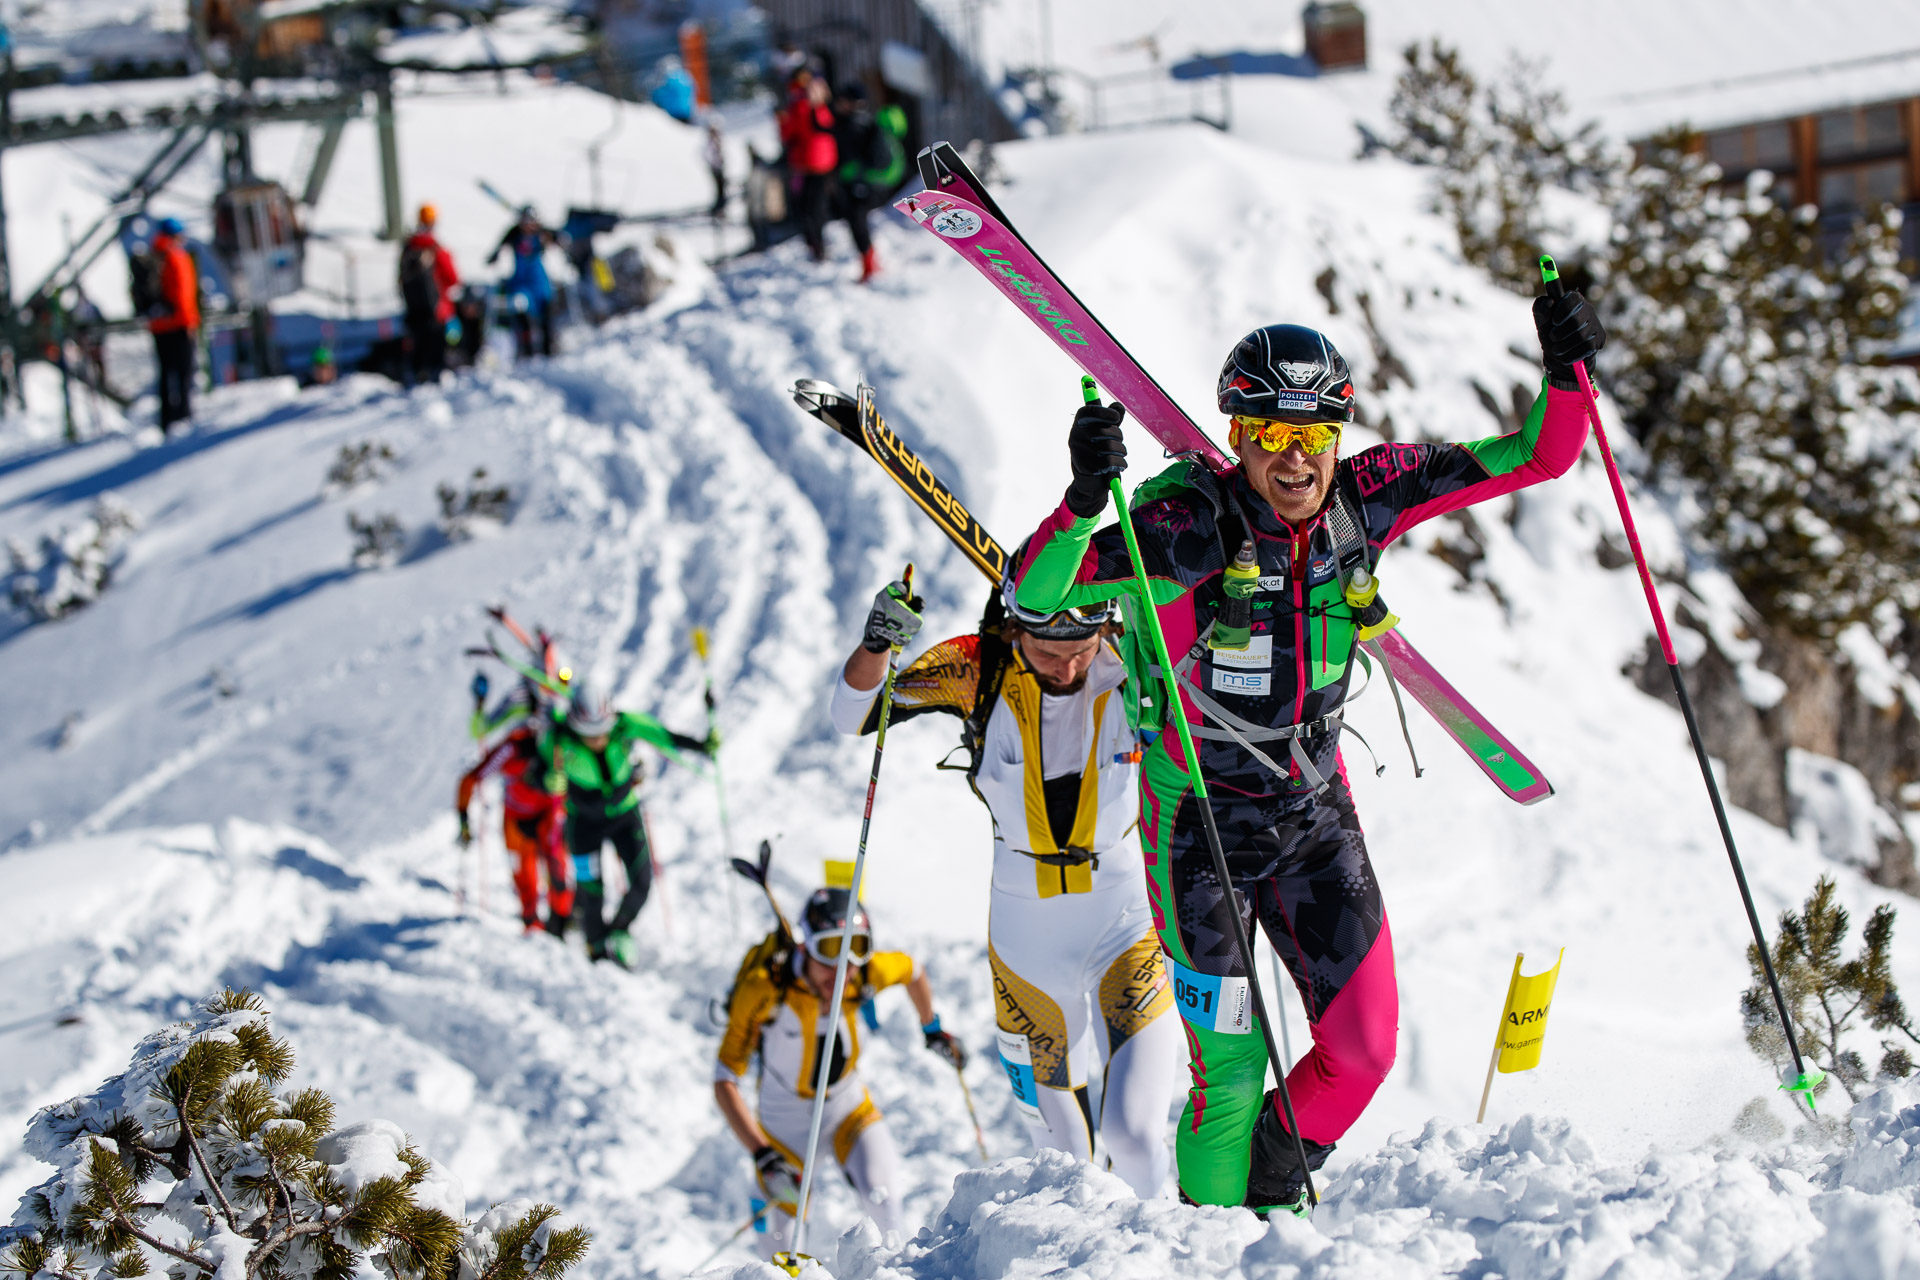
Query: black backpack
(143,283)
(418,289)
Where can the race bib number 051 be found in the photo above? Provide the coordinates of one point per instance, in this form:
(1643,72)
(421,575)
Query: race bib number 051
(1218,1004)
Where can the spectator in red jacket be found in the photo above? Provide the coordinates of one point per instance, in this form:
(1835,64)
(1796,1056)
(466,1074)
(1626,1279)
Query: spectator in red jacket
(806,130)
(427,282)
(174,321)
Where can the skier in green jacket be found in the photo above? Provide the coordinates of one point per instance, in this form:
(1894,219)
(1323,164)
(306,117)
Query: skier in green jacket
(590,761)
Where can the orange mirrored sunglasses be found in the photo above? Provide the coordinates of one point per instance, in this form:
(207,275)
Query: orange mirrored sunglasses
(1275,436)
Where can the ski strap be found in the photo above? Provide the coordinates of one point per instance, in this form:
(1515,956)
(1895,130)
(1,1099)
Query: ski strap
(1071,856)
(1393,687)
(1349,554)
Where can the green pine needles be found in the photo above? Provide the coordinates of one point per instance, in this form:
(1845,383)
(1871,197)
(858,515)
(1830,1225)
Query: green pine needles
(1832,999)
(196,1162)
(1746,339)
(1498,147)
(1746,360)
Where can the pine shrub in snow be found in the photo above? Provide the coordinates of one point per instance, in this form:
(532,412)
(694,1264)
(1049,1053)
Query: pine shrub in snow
(1831,999)
(1498,149)
(377,542)
(359,463)
(190,1161)
(70,569)
(461,514)
(1742,356)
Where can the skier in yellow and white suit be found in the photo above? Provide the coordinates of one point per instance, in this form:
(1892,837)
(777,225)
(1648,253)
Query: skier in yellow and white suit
(1077,971)
(774,1011)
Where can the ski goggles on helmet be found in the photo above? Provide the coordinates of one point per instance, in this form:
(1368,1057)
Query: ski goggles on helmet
(1276,436)
(1067,624)
(825,947)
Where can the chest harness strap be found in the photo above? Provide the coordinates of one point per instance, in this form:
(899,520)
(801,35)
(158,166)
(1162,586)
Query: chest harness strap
(1349,550)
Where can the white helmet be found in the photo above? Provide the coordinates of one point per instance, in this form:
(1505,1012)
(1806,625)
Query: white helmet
(590,711)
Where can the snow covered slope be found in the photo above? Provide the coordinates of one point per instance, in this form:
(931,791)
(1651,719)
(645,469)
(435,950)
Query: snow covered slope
(292,834)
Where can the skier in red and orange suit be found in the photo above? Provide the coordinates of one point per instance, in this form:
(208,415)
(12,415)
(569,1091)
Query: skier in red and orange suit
(532,822)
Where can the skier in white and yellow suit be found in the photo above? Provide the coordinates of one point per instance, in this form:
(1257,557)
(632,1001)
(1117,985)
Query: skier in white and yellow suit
(1077,972)
(774,1011)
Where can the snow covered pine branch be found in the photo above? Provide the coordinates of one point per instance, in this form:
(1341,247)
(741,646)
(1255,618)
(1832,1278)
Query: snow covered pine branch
(262,1184)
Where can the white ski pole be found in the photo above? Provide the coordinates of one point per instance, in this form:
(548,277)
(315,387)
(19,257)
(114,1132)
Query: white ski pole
(832,1014)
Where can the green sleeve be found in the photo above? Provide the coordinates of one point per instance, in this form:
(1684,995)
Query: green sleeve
(639,725)
(1504,453)
(1071,565)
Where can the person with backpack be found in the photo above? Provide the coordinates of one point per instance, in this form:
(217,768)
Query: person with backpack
(1264,578)
(775,1012)
(589,760)
(806,131)
(529,289)
(428,282)
(173,318)
(869,155)
(1044,702)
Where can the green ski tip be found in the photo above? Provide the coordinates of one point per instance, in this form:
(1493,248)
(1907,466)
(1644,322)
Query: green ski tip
(1805,1083)
(1548,271)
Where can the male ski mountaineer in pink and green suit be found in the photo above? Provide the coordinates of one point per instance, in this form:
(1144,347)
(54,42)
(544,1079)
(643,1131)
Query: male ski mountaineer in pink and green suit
(1266,717)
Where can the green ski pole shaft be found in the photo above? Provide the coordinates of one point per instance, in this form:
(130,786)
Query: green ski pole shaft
(1804,1082)
(726,825)
(1176,712)
(719,784)
(832,1013)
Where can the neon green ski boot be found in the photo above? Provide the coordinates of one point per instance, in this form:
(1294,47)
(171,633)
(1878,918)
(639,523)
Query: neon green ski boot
(621,948)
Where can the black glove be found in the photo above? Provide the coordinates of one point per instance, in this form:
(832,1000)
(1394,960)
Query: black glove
(947,1045)
(778,1178)
(1570,330)
(697,746)
(894,619)
(1099,453)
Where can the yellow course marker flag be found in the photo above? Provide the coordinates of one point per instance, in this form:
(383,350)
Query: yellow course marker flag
(1523,1024)
(839,875)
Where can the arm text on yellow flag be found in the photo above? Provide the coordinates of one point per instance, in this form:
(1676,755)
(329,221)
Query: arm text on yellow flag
(1523,1024)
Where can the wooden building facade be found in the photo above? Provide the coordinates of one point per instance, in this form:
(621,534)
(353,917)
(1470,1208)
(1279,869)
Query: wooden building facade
(1844,161)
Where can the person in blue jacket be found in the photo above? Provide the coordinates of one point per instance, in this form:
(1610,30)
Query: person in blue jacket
(529,289)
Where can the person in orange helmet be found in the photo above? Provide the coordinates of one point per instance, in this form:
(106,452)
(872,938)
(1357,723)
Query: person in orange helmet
(427,283)
(174,321)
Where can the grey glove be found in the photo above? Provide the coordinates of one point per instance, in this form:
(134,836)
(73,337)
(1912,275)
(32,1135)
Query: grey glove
(894,620)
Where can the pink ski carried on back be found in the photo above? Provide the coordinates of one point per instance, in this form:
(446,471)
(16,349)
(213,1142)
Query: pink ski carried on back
(955,208)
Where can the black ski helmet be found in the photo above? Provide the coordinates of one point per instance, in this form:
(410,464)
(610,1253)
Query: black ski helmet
(1287,370)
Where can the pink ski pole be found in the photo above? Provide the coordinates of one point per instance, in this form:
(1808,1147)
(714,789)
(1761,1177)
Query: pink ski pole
(1804,1081)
